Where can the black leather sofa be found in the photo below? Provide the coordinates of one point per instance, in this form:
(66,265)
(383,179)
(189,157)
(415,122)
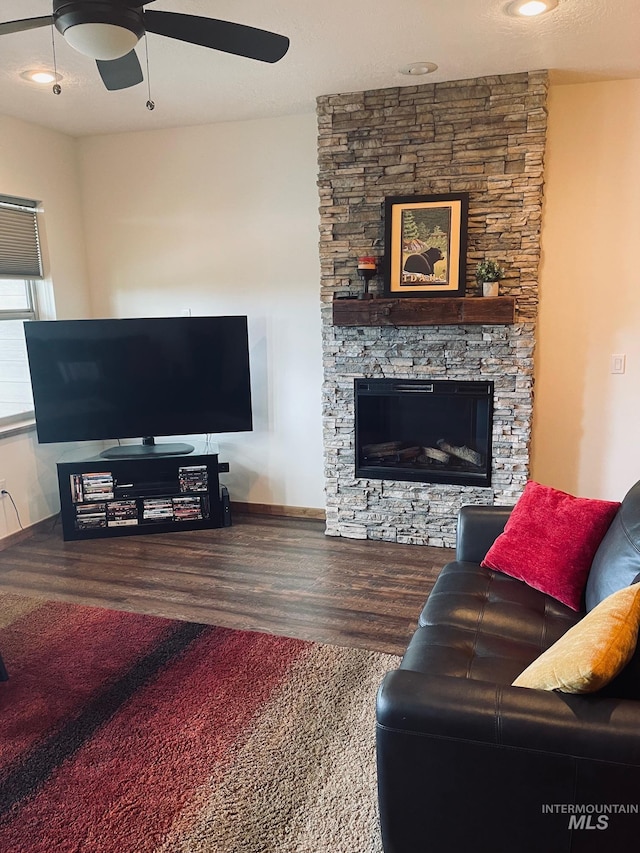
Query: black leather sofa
(467,762)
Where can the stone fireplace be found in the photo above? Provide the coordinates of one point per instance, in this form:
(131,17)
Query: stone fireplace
(485,137)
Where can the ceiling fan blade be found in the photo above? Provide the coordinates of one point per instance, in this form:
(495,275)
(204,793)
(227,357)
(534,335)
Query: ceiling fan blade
(26,24)
(120,73)
(219,35)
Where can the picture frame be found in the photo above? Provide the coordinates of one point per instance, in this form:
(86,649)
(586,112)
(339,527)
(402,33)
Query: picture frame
(426,245)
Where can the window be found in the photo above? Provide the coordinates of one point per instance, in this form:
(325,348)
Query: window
(20,267)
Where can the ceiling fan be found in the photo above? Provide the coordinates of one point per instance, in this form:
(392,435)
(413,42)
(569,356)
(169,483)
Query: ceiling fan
(108,31)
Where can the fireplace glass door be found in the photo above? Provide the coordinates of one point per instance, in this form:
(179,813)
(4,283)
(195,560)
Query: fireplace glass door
(427,431)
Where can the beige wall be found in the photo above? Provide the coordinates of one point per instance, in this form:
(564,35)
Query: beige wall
(586,420)
(223,219)
(42,165)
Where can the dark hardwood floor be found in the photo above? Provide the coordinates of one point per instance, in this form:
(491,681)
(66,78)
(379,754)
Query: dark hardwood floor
(280,575)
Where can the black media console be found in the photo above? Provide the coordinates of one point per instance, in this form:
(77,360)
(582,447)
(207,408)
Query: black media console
(123,497)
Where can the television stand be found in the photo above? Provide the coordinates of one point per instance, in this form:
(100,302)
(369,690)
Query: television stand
(140,494)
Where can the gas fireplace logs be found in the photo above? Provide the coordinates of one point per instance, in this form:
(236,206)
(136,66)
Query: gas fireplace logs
(386,448)
(432,453)
(390,452)
(465,453)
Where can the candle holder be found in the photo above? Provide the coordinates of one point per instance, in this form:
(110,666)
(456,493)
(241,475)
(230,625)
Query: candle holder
(367,268)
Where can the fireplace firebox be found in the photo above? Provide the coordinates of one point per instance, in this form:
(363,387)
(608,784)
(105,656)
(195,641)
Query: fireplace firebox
(427,431)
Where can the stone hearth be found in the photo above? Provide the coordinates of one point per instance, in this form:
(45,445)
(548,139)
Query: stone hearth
(485,137)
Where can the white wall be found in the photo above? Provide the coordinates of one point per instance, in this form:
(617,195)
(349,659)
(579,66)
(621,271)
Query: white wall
(42,165)
(223,219)
(586,420)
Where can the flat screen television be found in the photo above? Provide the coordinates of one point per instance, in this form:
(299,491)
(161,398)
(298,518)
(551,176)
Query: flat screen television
(139,378)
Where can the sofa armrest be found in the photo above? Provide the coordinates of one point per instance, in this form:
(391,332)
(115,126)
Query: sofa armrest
(461,760)
(588,727)
(478,528)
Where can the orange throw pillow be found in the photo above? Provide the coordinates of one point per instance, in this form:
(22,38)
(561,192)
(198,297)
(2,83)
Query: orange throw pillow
(591,653)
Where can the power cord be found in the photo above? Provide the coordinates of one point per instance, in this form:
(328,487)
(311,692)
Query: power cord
(8,494)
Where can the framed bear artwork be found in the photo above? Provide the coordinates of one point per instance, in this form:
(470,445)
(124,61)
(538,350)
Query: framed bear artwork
(426,245)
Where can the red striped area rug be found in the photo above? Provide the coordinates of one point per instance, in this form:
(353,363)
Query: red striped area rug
(123,733)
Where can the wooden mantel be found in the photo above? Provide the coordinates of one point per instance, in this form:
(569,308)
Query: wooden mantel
(424,311)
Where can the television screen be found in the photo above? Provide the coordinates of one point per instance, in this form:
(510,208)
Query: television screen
(130,378)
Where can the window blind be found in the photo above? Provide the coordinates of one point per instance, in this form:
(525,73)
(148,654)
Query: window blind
(19,242)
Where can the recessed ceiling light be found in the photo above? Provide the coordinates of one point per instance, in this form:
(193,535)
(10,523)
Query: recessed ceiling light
(415,69)
(41,76)
(531,8)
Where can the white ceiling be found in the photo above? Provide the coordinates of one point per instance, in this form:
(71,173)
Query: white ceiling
(336,46)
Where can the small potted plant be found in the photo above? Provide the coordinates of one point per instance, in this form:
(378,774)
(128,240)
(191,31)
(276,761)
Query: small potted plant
(488,274)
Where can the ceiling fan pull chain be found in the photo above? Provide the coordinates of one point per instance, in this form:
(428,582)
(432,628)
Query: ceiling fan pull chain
(150,104)
(56,88)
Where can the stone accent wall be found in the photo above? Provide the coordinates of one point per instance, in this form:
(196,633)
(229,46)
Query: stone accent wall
(485,137)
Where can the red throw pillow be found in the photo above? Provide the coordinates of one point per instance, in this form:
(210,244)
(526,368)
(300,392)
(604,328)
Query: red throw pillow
(550,540)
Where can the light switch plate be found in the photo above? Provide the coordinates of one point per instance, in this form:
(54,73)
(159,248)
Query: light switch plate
(618,363)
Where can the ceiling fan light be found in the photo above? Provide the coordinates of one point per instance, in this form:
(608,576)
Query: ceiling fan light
(101,41)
